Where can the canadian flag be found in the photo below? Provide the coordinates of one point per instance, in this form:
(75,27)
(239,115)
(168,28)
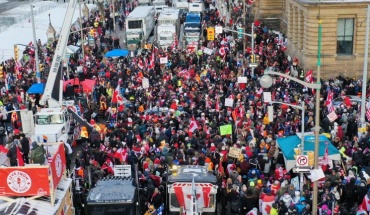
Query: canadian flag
(141,64)
(193,125)
(183,192)
(366,203)
(309,76)
(325,161)
(329,102)
(222,51)
(217,107)
(266,204)
(117,98)
(253,212)
(151,63)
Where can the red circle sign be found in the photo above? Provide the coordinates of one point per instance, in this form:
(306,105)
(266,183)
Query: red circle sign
(302,160)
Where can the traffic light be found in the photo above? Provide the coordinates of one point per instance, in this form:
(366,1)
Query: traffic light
(252,58)
(297,151)
(41,67)
(311,158)
(92,32)
(1,71)
(210,34)
(16,53)
(240,33)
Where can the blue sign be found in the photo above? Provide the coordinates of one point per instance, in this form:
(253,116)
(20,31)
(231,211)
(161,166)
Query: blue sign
(240,33)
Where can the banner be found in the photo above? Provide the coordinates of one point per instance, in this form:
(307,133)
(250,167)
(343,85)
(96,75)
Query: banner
(24,181)
(145,83)
(226,129)
(58,165)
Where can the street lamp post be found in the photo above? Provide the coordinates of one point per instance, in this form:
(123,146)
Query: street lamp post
(37,69)
(266,82)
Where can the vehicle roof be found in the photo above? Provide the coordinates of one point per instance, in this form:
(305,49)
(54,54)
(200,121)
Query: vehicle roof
(112,189)
(49,111)
(169,15)
(140,12)
(185,174)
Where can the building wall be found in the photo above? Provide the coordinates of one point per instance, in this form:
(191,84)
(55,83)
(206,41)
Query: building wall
(302,32)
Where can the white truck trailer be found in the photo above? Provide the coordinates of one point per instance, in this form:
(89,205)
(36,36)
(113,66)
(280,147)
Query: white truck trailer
(168,27)
(139,26)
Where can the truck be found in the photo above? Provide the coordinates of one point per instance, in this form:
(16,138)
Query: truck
(168,27)
(52,121)
(139,26)
(192,30)
(144,2)
(112,195)
(191,190)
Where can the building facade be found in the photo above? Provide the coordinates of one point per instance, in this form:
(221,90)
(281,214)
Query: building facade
(343,32)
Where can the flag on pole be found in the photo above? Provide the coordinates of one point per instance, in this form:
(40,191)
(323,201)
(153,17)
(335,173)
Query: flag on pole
(117,98)
(325,161)
(309,76)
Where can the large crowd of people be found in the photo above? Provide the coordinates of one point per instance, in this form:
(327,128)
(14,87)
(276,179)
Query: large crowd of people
(177,118)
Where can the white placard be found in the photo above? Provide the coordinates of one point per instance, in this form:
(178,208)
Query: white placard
(295,182)
(316,174)
(207,51)
(218,29)
(270,113)
(163,60)
(145,83)
(267,97)
(229,102)
(79,69)
(122,170)
(332,116)
(242,80)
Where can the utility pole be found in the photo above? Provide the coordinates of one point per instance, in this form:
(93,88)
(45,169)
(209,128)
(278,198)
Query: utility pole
(114,17)
(317,120)
(37,63)
(252,41)
(244,26)
(82,34)
(364,73)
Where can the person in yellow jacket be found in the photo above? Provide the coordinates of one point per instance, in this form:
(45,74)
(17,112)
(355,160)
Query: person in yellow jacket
(84,134)
(110,92)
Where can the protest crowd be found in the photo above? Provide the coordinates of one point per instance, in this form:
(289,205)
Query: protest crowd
(193,111)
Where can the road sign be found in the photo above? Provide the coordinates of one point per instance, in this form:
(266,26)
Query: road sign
(240,33)
(301,160)
(218,29)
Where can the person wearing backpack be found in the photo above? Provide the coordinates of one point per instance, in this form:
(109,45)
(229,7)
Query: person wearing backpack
(37,154)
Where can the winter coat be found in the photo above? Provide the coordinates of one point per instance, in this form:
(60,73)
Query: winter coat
(38,155)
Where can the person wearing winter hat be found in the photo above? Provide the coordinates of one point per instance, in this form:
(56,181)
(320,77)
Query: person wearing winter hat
(37,154)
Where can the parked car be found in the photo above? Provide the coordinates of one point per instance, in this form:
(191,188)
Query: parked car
(355,100)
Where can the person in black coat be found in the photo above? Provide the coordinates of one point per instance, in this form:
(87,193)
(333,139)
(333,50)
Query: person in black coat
(157,199)
(25,147)
(251,201)
(283,209)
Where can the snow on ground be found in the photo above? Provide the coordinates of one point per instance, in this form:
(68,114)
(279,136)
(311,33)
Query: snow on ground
(21,33)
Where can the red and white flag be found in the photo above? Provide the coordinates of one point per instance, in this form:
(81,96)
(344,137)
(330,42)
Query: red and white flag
(266,204)
(253,212)
(325,161)
(217,107)
(141,64)
(193,125)
(368,112)
(20,157)
(366,203)
(184,193)
(309,76)
(117,98)
(151,63)
(329,102)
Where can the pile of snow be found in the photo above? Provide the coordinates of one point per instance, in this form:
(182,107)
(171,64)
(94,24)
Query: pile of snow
(21,33)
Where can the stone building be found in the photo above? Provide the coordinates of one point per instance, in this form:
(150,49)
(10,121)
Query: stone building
(343,32)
